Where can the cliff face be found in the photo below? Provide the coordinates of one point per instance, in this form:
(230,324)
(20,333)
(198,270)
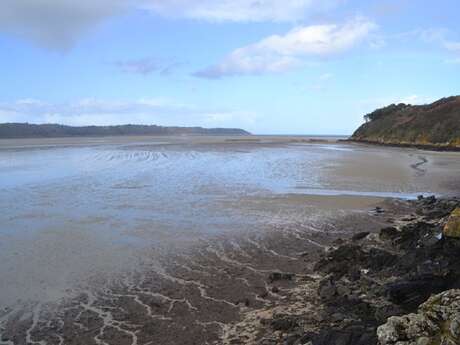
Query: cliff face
(435,125)
(25,130)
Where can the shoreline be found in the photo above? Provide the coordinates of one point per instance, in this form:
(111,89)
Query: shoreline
(426,147)
(183,298)
(201,293)
(351,292)
(292,286)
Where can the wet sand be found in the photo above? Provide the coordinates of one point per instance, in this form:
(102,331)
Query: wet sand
(149,140)
(189,297)
(183,284)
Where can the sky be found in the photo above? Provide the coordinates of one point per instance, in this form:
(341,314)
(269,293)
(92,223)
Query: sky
(268,66)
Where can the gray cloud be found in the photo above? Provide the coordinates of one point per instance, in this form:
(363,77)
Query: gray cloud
(55,24)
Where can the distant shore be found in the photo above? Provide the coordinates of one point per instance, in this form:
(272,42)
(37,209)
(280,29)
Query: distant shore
(28,130)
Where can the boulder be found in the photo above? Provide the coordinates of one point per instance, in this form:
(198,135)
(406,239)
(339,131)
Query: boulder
(411,291)
(437,322)
(452,227)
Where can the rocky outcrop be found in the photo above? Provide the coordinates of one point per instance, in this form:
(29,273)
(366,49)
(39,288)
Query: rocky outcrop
(437,322)
(434,126)
(452,227)
(374,281)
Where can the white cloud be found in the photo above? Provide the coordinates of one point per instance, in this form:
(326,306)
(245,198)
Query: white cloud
(326,76)
(146,66)
(439,36)
(238,10)
(454,61)
(57,24)
(280,53)
(452,46)
(322,82)
(414,99)
(112,112)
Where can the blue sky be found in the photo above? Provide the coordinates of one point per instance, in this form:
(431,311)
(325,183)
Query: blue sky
(269,66)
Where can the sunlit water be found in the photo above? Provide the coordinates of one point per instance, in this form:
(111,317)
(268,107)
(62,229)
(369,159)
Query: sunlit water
(67,213)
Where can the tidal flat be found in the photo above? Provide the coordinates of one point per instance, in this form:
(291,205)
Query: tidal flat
(171,240)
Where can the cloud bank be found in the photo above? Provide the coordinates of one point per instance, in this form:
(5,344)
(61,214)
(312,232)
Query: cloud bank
(279,53)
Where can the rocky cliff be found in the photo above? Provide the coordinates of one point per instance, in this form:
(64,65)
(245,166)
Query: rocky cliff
(435,125)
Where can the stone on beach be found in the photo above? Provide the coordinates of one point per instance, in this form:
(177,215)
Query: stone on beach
(452,227)
(437,322)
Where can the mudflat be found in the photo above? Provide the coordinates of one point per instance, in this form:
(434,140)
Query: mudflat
(170,240)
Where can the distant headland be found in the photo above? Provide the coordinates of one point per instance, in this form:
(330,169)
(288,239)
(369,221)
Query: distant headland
(27,130)
(432,126)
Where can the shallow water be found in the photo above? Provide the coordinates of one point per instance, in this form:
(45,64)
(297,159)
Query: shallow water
(73,212)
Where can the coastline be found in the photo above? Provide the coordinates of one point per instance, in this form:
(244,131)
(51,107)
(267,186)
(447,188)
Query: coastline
(193,297)
(336,284)
(358,291)
(250,289)
(427,147)
(230,287)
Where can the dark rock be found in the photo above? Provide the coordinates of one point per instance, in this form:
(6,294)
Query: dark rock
(389,233)
(417,234)
(276,276)
(383,312)
(340,260)
(291,339)
(284,323)
(411,292)
(360,235)
(264,294)
(430,200)
(244,301)
(327,288)
(349,259)
(354,273)
(351,335)
(338,242)
(379,258)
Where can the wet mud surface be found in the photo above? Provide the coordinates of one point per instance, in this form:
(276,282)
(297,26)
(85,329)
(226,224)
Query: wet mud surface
(191,298)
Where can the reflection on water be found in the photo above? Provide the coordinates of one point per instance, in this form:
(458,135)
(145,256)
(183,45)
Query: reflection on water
(71,212)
